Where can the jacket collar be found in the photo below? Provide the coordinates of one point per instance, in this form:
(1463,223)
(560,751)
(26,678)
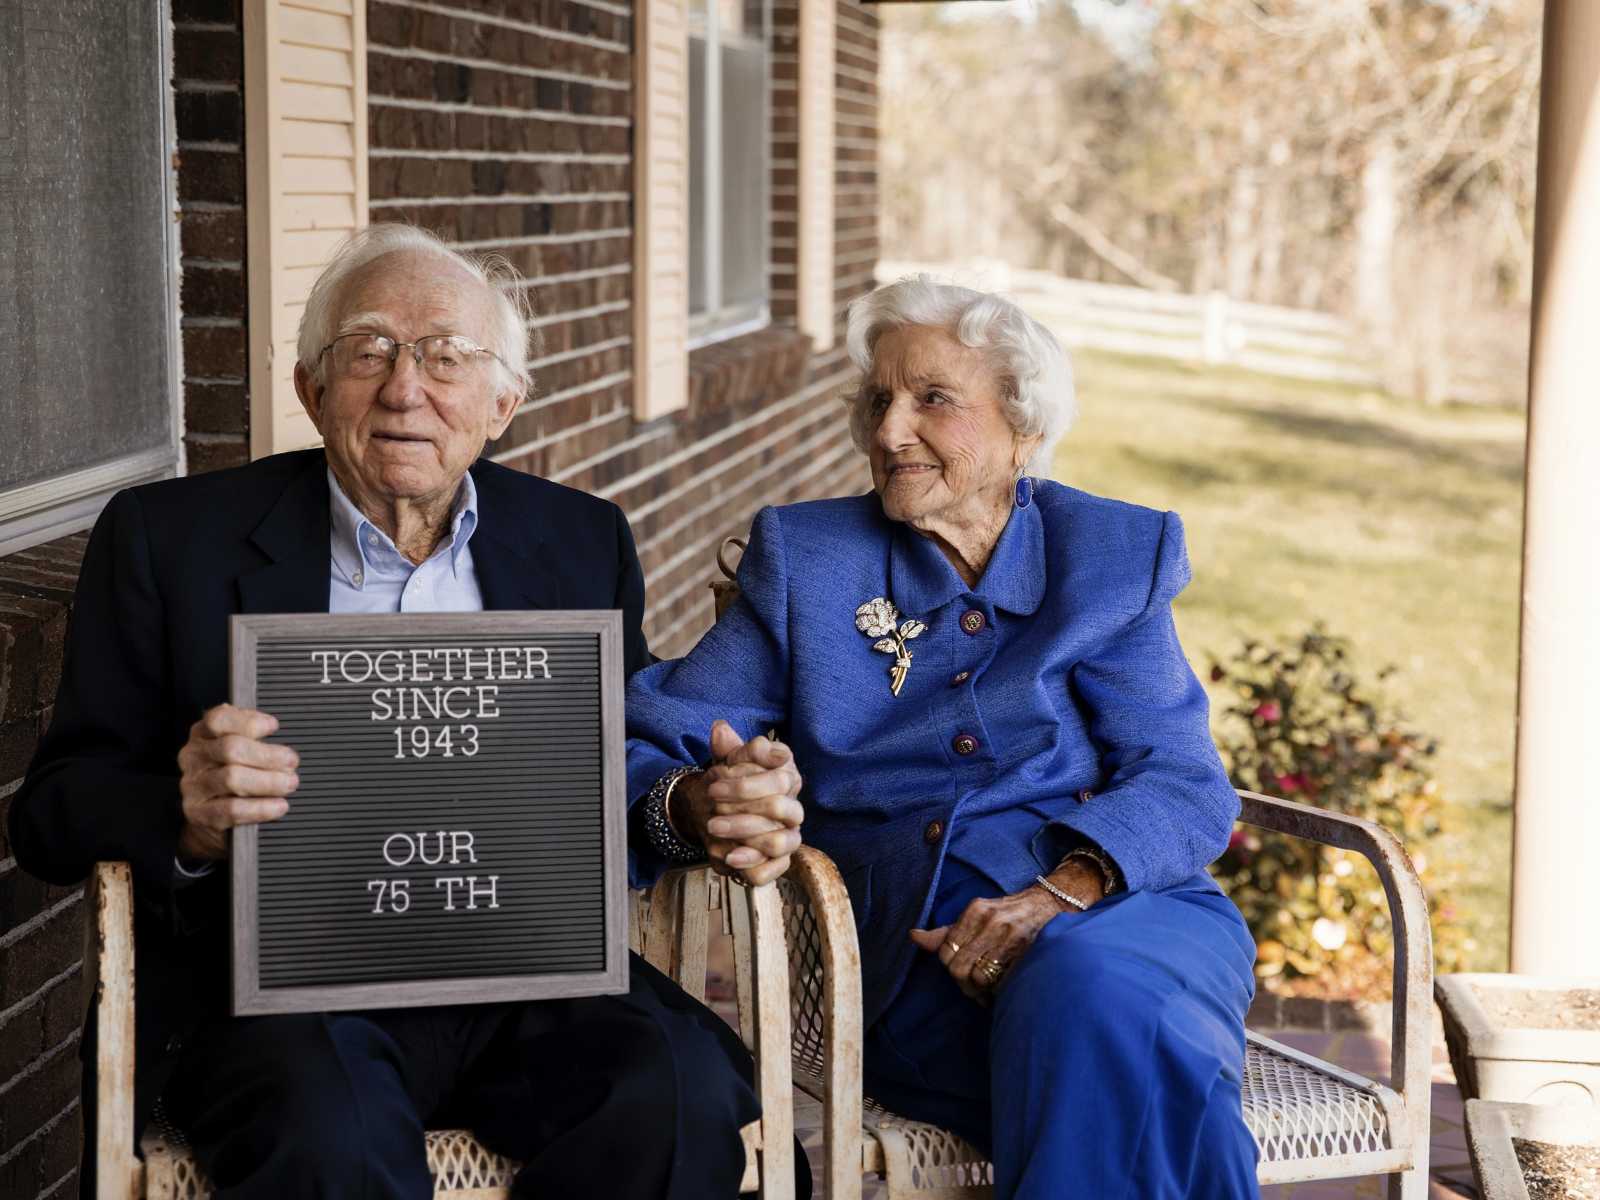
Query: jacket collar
(507,553)
(294,537)
(922,580)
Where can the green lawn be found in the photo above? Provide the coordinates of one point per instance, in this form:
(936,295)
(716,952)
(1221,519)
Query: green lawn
(1399,527)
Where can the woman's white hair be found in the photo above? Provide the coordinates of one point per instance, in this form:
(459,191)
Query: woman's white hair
(508,335)
(1035,377)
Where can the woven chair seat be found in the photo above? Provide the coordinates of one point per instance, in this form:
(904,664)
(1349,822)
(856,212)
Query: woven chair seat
(1299,1110)
(462,1168)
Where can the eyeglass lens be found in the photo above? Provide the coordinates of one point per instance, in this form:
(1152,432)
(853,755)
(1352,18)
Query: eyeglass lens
(445,357)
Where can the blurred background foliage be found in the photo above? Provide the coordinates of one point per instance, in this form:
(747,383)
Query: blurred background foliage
(1304,724)
(1373,158)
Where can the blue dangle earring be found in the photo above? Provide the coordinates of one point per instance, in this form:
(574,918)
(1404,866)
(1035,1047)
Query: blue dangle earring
(1024,495)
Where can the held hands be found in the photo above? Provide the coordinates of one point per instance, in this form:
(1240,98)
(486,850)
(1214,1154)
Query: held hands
(743,809)
(231,777)
(993,934)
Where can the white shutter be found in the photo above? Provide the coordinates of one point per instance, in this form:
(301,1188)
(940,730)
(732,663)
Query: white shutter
(661,209)
(814,266)
(305,183)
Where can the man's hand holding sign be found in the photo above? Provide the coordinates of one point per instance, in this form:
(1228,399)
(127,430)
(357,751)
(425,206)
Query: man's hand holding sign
(230,777)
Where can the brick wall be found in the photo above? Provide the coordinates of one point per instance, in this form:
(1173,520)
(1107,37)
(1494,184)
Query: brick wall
(511,133)
(208,54)
(41,927)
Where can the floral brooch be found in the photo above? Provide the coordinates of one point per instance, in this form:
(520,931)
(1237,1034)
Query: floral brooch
(879,618)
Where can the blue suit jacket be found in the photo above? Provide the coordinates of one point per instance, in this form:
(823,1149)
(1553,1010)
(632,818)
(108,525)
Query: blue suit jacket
(1084,718)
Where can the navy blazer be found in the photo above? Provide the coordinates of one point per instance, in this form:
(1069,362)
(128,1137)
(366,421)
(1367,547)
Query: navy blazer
(147,653)
(1051,702)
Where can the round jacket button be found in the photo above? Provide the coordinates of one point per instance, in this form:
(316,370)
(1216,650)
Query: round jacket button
(959,678)
(972,621)
(1085,796)
(933,832)
(964,743)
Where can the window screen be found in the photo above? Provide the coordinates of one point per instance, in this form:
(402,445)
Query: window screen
(86,225)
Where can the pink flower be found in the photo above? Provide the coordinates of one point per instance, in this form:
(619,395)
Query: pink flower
(1290,784)
(1269,711)
(1236,839)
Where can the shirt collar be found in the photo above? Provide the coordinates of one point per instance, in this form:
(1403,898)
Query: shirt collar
(922,579)
(350,528)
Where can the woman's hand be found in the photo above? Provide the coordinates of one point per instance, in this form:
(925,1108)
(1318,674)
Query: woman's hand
(1001,930)
(231,777)
(744,808)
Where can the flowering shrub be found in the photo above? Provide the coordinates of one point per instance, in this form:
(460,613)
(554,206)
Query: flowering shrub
(1302,726)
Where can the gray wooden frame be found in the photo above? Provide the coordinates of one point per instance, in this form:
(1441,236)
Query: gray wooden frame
(248,632)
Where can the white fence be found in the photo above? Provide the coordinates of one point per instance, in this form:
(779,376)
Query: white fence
(1212,329)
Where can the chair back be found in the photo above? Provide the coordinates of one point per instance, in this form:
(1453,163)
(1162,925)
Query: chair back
(725,591)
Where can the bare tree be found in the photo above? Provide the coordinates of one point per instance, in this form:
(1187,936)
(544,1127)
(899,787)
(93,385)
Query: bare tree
(1312,152)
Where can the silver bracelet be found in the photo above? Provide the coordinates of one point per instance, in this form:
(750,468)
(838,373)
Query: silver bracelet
(1059,894)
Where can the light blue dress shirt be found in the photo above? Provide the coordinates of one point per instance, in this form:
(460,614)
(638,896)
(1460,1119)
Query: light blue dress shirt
(368,574)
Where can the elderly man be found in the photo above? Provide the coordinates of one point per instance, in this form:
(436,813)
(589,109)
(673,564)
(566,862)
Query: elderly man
(411,358)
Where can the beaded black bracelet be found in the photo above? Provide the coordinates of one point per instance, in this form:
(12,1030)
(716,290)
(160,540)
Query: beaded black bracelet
(664,839)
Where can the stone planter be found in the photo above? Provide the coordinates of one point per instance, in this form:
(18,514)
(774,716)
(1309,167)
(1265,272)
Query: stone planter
(1523,1038)
(1492,1126)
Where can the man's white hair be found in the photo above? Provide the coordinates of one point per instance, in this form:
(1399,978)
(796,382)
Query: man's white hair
(1032,369)
(510,307)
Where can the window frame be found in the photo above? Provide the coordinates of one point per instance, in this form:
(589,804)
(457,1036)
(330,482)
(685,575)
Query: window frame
(46,509)
(719,322)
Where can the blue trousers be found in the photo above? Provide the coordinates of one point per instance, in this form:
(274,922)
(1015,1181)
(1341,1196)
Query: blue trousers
(1110,1063)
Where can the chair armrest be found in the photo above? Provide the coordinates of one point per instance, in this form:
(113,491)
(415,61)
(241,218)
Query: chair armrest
(674,926)
(1411,1031)
(769,994)
(828,1038)
(119,1173)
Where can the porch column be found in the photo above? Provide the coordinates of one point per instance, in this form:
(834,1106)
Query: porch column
(1555,889)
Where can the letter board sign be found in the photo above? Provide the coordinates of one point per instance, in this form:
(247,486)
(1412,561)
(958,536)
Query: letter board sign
(458,833)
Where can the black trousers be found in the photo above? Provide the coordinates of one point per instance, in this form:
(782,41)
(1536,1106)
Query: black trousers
(632,1097)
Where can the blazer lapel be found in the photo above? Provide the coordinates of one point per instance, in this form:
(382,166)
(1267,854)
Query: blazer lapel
(509,556)
(294,536)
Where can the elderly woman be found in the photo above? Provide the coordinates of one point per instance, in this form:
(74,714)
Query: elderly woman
(1005,753)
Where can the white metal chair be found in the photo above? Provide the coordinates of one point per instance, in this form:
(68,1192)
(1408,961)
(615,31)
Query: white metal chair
(1311,1119)
(669,927)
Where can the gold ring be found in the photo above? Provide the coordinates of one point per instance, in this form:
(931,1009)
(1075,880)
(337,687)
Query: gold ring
(991,969)
(955,947)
